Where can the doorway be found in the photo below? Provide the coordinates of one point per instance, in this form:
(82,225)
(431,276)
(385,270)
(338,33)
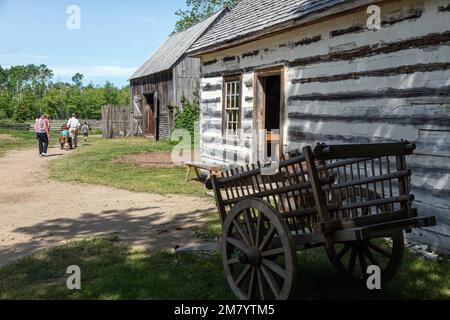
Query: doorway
(150,114)
(272,114)
(270,108)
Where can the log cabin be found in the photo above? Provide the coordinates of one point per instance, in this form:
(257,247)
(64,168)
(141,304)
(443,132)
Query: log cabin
(316,71)
(165,77)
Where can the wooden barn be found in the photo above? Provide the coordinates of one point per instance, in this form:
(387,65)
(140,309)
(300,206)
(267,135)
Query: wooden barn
(316,71)
(164,78)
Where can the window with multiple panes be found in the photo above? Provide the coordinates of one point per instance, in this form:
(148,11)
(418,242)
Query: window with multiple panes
(232,107)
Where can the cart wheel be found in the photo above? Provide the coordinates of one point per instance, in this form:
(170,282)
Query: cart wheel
(258,254)
(352,258)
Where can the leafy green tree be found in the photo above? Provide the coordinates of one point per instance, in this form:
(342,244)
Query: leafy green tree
(78,80)
(3,78)
(124,96)
(199,10)
(54,102)
(26,106)
(111,94)
(6,105)
(25,90)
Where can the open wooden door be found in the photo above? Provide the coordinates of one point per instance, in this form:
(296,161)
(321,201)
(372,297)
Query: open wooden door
(269,105)
(151,101)
(150,124)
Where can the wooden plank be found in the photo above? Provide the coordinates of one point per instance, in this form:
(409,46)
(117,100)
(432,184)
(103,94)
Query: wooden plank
(352,151)
(367,220)
(319,196)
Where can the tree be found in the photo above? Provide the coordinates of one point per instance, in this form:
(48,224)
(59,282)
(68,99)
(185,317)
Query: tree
(111,94)
(26,106)
(199,10)
(6,105)
(3,78)
(25,90)
(78,80)
(124,96)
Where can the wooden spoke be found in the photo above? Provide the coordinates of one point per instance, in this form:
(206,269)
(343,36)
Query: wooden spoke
(237,243)
(362,262)
(274,267)
(351,264)
(251,283)
(242,232)
(268,237)
(243,274)
(259,228)
(250,227)
(371,257)
(271,281)
(379,250)
(233,261)
(260,284)
(272,252)
(343,251)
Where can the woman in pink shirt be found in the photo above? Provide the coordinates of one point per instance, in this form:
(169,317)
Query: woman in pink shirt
(41,134)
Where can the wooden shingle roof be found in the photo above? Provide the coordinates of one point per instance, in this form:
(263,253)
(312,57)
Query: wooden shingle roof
(174,48)
(250,17)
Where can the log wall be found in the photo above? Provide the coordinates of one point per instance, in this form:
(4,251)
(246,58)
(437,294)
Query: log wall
(347,84)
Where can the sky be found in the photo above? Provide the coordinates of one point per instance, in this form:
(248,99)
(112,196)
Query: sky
(108,40)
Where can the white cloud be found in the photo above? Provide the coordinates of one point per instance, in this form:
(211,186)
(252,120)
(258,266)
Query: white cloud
(95,71)
(16,53)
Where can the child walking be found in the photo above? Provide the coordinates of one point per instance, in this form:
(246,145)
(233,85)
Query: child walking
(85,131)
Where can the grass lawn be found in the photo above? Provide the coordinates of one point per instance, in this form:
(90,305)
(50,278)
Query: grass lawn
(112,271)
(14,139)
(96,163)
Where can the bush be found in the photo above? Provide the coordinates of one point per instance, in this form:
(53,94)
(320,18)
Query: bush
(188,115)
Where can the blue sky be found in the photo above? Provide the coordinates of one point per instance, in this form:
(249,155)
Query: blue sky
(115,36)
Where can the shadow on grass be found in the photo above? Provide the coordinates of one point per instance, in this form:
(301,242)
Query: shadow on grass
(111,271)
(148,227)
(418,278)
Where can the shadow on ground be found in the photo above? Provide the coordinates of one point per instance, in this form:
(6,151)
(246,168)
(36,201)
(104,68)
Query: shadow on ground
(143,227)
(111,270)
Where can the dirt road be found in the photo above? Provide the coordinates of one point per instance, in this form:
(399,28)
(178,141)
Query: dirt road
(37,213)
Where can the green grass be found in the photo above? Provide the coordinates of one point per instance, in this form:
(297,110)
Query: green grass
(110,270)
(20,140)
(96,163)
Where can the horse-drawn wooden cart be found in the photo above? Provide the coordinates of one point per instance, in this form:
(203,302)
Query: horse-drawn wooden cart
(353,200)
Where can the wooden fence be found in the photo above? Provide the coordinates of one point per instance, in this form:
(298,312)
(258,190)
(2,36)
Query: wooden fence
(55,125)
(116,121)
(15,126)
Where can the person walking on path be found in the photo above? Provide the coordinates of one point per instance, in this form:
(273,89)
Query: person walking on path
(41,134)
(85,131)
(47,126)
(74,128)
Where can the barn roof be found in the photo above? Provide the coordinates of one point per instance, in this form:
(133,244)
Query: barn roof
(174,48)
(251,17)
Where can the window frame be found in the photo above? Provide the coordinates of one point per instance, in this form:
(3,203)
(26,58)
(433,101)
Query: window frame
(226,79)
